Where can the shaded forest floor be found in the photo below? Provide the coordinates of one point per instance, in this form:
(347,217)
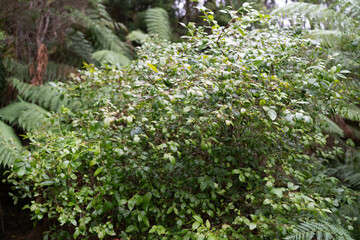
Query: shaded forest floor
(15,222)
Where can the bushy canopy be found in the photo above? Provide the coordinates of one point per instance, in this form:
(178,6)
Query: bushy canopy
(208,138)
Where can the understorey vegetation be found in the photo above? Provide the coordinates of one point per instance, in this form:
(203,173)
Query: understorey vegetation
(221,136)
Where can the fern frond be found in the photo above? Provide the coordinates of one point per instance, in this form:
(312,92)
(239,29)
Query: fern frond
(352,113)
(319,230)
(353,180)
(328,38)
(58,72)
(137,36)
(45,95)
(350,8)
(8,135)
(100,10)
(329,126)
(353,84)
(351,210)
(79,45)
(319,16)
(16,69)
(157,22)
(110,57)
(103,37)
(8,143)
(355,131)
(3,82)
(347,169)
(28,116)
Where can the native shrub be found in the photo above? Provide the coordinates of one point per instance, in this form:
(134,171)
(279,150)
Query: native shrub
(209,138)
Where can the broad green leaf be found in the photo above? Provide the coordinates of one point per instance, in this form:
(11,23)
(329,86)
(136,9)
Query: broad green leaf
(272,114)
(277,191)
(187,109)
(131,203)
(241,177)
(170,209)
(195,225)
(252,226)
(203,186)
(170,157)
(198,218)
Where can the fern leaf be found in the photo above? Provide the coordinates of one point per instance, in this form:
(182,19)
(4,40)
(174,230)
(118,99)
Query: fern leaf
(157,22)
(28,116)
(2,75)
(348,60)
(8,135)
(353,180)
(58,71)
(319,16)
(79,45)
(352,113)
(350,8)
(329,126)
(328,38)
(8,143)
(137,36)
(45,95)
(3,82)
(110,57)
(16,69)
(102,35)
(320,230)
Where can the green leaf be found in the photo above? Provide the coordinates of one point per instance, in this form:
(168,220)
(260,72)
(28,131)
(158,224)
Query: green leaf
(170,157)
(333,70)
(76,233)
(195,225)
(272,114)
(203,186)
(21,171)
(99,170)
(131,228)
(186,109)
(82,226)
(152,67)
(208,224)
(93,162)
(73,222)
(153,229)
(147,197)
(110,232)
(198,218)
(277,191)
(210,213)
(170,209)
(142,217)
(252,226)
(242,177)
(136,139)
(266,201)
(131,203)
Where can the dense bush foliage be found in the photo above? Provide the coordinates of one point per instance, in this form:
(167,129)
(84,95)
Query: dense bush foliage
(211,138)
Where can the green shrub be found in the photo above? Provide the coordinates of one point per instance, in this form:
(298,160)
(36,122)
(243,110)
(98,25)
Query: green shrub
(205,139)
